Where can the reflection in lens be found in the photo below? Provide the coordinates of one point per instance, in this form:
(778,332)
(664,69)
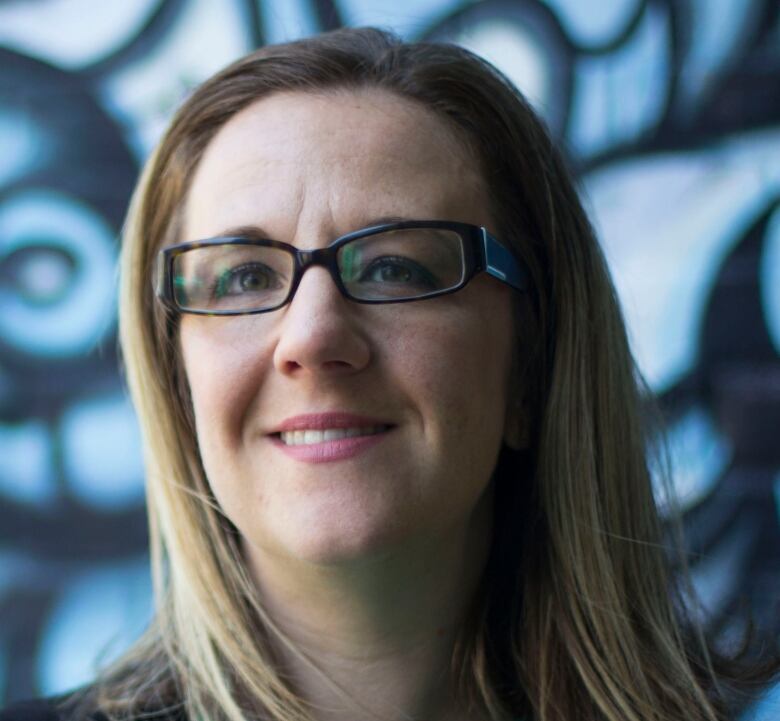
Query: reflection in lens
(231,277)
(408,263)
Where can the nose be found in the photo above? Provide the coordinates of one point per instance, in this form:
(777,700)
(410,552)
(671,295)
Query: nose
(319,330)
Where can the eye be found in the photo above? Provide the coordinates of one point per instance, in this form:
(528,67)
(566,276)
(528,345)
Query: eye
(248,278)
(397,269)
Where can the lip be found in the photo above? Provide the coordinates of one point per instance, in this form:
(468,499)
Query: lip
(322,421)
(333,450)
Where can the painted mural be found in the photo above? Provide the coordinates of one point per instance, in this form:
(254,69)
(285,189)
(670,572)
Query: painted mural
(670,114)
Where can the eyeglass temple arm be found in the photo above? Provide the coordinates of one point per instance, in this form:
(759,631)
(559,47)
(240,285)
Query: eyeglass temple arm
(501,264)
(159,277)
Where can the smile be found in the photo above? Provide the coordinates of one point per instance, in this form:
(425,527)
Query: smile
(310,437)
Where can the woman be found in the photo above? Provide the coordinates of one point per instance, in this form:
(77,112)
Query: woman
(396,467)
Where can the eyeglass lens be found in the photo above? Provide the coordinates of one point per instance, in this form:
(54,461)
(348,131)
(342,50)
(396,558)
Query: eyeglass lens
(394,265)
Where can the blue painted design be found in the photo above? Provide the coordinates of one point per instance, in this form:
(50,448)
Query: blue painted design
(770,279)
(767,708)
(23,148)
(143,98)
(699,454)
(288,20)
(665,262)
(714,575)
(101,448)
(97,616)
(54,30)
(674,196)
(621,95)
(522,41)
(66,311)
(26,472)
(777,496)
(3,665)
(15,569)
(595,22)
(409,18)
(717,29)
(519,52)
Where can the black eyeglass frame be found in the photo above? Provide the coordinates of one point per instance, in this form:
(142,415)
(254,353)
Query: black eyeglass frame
(482,253)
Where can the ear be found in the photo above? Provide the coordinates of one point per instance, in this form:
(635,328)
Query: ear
(517,434)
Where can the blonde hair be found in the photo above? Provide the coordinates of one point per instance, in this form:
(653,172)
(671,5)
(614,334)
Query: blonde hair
(577,616)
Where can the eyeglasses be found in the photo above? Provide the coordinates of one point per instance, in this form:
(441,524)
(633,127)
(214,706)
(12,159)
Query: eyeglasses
(389,263)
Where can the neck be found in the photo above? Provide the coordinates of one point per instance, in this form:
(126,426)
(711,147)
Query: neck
(374,637)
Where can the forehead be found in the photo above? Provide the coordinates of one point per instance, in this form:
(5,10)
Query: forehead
(350,154)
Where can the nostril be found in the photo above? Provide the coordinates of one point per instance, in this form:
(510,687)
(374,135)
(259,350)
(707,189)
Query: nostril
(292,366)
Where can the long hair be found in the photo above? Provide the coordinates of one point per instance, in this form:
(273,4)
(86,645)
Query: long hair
(577,615)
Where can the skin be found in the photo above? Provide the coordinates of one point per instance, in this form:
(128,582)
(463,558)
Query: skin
(368,563)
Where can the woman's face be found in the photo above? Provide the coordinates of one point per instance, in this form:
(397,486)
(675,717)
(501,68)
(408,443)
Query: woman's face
(429,379)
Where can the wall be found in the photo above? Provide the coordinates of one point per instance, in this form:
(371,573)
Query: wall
(670,112)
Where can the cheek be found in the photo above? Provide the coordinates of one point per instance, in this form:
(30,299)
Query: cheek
(223,370)
(458,369)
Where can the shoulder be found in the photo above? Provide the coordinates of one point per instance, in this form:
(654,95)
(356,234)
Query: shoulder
(62,709)
(30,711)
(59,708)
(87,703)
(48,709)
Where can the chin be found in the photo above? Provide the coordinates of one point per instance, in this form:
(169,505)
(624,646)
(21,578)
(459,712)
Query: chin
(344,545)
(335,536)
(338,524)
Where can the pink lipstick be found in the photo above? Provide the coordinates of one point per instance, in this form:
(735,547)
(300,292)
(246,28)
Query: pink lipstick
(326,437)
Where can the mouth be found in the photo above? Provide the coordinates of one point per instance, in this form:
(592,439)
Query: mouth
(309,437)
(329,437)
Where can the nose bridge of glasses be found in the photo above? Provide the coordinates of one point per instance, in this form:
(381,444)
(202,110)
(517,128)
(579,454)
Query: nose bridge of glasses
(324,257)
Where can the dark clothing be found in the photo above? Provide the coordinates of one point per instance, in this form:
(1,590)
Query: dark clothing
(42,710)
(52,709)
(45,709)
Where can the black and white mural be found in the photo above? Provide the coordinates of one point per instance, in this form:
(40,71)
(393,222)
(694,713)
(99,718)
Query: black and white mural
(670,114)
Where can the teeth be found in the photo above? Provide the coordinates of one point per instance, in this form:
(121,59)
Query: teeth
(308,437)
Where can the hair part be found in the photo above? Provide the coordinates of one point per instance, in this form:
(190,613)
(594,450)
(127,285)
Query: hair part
(577,616)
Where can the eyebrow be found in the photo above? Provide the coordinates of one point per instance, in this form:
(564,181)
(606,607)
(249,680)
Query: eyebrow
(255,232)
(251,232)
(386,219)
